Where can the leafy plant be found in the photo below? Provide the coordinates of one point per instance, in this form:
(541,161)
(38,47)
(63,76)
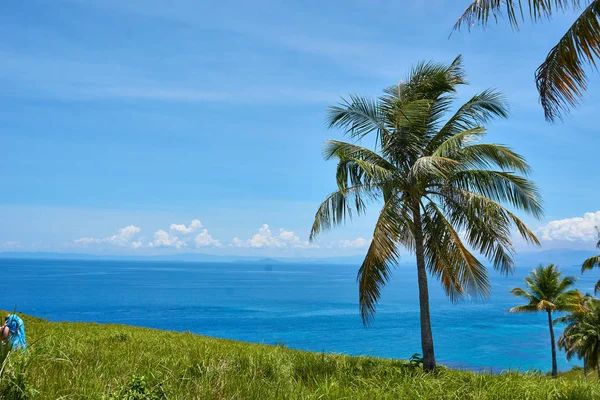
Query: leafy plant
(560,79)
(440,190)
(581,337)
(548,292)
(138,388)
(416,360)
(593,262)
(14,381)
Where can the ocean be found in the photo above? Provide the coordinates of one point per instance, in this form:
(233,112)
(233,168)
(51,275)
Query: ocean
(302,306)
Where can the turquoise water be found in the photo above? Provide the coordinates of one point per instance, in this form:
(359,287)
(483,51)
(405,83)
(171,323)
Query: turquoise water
(304,306)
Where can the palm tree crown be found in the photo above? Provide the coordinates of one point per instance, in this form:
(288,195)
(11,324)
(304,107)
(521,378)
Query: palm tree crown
(440,188)
(581,336)
(592,262)
(548,292)
(560,79)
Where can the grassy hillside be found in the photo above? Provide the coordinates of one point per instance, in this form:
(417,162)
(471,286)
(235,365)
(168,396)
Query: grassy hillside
(93,361)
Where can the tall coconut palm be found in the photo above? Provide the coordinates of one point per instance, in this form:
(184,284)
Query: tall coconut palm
(548,292)
(593,262)
(440,190)
(561,78)
(581,336)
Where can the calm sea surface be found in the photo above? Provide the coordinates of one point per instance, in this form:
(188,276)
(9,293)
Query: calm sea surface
(304,306)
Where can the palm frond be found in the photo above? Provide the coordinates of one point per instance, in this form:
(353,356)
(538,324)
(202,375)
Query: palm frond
(590,263)
(487,225)
(487,203)
(358,117)
(455,142)
(342,205)
(493,155)
(448,258)
(348,151)
(501,186)
(357,165)
(479,12)
(479,110)
(564,283)
(546,305)
(430,80)
(524,309)
(561,78)
(393,224)
(569,301)
(407,133)
(359,172)
(521,293)
(429,167)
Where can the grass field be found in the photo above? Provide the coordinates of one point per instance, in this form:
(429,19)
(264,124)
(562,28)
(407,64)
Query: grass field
(93,361)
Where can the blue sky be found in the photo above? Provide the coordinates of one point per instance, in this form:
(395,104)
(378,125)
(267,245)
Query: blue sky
(125,122)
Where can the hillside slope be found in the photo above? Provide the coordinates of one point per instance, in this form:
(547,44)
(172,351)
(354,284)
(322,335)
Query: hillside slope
(93,361)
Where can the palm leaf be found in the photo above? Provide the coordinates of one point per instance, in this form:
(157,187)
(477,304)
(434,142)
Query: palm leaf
(487,225)
(501,186)
(342,205)
(392,224)
(590,263)
(431,167)
(561,78)
(524,309)
(358,116)
(448,255)
(479,110)
(479,12)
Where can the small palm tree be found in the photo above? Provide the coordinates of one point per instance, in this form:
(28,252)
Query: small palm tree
(560,79)
(593,262)
(547,292)
(581,336)
(441,191)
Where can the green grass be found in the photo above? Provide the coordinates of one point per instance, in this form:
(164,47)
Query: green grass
(93,361)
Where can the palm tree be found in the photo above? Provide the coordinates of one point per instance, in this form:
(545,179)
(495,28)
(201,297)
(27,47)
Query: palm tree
(581,336)
(547,291)
(440,190)
(593,262)
(560,79)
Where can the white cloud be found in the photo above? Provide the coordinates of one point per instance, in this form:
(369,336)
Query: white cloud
(163,238)
(356,243)
(571,229)
(192,227)
(126,237)
(11,245)
(204,239)
(180,236)
(265,239)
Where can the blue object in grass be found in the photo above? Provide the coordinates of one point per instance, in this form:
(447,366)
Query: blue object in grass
(17,332)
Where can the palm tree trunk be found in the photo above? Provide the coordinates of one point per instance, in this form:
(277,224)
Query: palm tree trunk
(585,371)
(426,334)
(554,367)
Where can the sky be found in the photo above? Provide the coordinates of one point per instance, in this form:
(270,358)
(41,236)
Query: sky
(161,127)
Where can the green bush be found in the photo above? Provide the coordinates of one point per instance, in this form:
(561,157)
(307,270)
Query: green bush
(138,388)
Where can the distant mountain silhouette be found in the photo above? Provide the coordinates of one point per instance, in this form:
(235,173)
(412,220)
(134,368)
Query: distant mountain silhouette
(562,257)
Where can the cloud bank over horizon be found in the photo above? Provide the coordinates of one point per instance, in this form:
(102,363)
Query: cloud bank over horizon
(577,229)
(576,233)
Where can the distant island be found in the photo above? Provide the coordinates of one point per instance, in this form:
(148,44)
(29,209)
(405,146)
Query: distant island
(563,257)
